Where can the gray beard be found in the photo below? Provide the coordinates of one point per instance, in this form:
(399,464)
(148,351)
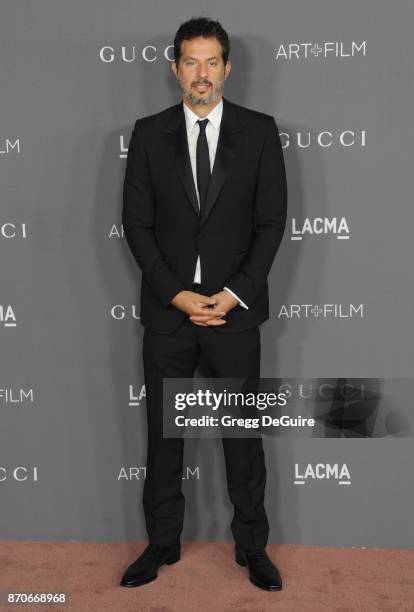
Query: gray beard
(198,101)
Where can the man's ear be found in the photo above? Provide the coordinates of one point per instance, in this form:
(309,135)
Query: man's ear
(228,68)
(174,68)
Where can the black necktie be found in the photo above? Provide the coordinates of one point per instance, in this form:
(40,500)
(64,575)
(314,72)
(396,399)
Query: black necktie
(202,163)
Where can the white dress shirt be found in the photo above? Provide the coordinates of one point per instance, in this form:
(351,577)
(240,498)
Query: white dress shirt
(212,134)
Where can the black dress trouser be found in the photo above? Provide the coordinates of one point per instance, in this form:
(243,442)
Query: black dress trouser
(176,355)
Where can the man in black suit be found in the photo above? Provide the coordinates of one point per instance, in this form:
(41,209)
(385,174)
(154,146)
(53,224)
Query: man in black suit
(204,211)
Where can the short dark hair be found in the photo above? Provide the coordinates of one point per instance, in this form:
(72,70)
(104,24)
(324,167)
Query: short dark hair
(201,26)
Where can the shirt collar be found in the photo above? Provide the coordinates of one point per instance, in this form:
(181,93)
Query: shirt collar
(214,116)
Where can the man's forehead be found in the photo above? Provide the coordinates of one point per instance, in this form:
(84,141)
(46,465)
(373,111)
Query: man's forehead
(206,46)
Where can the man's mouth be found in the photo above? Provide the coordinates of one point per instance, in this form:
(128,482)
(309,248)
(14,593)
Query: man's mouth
(201,86)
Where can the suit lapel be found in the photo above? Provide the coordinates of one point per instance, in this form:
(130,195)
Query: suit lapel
(175,137)
(227,145)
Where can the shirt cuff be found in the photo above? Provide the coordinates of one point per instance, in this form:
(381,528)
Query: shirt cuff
(237,298)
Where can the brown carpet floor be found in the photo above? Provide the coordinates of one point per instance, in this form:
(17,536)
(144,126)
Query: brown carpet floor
(316,579)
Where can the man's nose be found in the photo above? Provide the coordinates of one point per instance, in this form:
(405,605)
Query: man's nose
(202,73)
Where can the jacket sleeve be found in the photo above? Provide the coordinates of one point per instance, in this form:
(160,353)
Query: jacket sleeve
(270,220)
(138,220)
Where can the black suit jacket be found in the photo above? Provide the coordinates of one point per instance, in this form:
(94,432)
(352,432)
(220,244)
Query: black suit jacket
(241,228)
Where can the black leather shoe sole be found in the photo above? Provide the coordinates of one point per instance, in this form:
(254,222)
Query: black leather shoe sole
(241,560)
(134,583)
(265,587)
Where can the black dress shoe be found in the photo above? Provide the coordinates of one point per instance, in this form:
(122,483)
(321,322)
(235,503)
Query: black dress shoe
(263,573)
(144,569)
